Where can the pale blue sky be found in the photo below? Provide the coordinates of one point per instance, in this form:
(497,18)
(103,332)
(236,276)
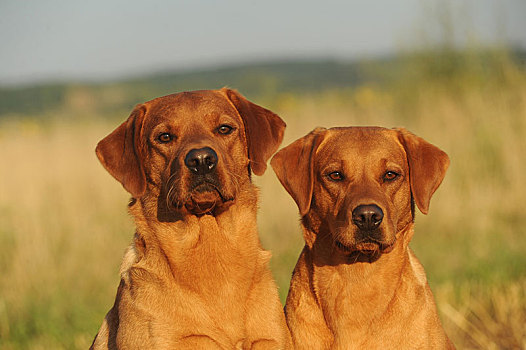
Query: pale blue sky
(44,40)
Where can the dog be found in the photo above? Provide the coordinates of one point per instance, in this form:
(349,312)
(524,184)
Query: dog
(357,284)
(195,275)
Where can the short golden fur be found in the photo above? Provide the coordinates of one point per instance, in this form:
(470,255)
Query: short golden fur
(195,276)
(357,284)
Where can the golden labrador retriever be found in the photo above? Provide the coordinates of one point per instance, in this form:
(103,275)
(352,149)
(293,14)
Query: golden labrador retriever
(195,275)
(357,284)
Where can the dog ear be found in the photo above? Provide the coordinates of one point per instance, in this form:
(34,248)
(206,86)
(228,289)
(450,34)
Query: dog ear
(427,167)
(264,130)
(294,167)
(120,155)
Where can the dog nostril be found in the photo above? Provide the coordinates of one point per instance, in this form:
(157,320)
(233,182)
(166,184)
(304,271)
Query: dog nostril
(210,161)
(376,219)
(367,217)
(192,163)
(201,161)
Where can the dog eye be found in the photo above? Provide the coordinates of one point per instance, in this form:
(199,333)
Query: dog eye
(390,176)
(165,137)
(225,129)
(335,176)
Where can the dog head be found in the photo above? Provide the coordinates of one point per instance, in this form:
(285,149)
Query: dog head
(360,182)
(192,152)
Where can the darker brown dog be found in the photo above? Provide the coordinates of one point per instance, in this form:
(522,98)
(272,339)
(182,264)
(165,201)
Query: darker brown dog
(357,284)
(195,276)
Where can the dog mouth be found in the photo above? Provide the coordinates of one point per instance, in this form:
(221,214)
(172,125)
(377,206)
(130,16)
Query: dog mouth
(342,246)
(205,198)
(368,247)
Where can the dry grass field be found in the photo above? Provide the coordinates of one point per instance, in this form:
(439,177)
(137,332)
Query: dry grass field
(64,225)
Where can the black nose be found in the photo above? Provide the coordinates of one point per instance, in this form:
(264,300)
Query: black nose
(367,217)
(201,161)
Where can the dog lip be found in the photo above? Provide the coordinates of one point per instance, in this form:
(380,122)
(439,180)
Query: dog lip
(209,186)
(202,202)
(368,246)
(364,246)
(342,246)
(204,197)
(373,245)
(204,186)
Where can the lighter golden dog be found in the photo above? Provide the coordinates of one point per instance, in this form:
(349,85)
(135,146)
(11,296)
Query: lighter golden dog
(195,276)
(357,284)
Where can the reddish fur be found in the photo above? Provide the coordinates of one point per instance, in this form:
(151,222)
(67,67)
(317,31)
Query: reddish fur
(193,281)
(353,298)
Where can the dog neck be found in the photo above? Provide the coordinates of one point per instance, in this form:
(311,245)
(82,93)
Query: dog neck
(367,288)
(185,248)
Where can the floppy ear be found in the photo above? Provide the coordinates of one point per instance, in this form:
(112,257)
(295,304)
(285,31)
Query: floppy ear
(427,167)
(264,130)
(294,166)
(119,153)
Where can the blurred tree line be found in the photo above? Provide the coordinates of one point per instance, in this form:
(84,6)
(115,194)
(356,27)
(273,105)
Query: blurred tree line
(441,66)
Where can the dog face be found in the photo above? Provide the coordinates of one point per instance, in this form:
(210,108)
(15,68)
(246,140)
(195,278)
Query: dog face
(360,182)
(191,152)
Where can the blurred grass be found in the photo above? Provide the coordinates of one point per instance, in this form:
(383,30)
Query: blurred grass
(64,225)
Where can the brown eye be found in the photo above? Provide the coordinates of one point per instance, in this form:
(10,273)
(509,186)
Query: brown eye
(390,176)
(335,176)
(164,137)
(225,129)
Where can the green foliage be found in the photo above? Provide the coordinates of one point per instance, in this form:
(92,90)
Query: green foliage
(449,69)
(30,100)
